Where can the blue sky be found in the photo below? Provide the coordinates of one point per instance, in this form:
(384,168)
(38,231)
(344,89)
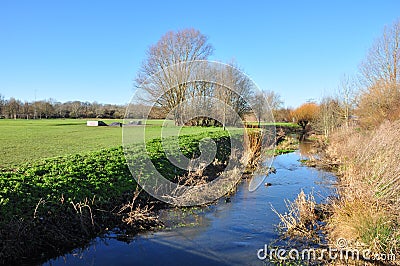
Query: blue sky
(92,50)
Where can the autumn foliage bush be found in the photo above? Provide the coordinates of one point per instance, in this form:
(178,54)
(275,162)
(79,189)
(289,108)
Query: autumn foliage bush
(305,114)
(378,103)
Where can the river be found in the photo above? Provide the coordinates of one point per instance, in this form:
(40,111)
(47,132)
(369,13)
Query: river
(227,233)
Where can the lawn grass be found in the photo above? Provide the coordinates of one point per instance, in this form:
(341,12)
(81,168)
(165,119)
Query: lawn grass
(285,124)
(23,141)
(281,124)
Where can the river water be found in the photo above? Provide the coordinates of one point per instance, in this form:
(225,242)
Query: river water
(227,233)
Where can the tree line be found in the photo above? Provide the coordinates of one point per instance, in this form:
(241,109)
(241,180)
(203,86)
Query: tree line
(44,109)
(13,108)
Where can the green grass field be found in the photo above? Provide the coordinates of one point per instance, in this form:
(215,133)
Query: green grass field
(283,124)
(23,141)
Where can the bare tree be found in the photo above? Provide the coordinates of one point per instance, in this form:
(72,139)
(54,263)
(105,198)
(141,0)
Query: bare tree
(329,116)
(273,99)
(383,60)
(259,105)
(235,91)
(2,105)
(163,77)
(380,74)
(244,90)
(283,114)
(13,107)
(26,110)
(346,98)
(265,102)
(76,108)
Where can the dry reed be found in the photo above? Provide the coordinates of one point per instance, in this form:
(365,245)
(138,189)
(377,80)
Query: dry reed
(367,211)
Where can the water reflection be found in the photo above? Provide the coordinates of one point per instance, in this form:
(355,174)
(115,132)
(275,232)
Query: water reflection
(222,234)
(306,148)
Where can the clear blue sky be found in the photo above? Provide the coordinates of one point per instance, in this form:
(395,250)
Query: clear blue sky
(92,50)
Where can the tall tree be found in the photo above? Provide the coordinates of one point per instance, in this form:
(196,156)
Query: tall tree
(168,66)
(382,63)
(380,75)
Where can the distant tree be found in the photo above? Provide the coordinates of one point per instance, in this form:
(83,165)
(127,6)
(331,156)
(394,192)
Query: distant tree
(264,103)
(283,115)
(346,99)
(96,109)
(2,105)
(235,91)
(27,110)
(75,109)
(329,116)
(48,109)
(13,108)
(305,114)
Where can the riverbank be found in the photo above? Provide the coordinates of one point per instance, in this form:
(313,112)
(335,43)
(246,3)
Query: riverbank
(368,208)
(365,215)
(229,232)
(51,206)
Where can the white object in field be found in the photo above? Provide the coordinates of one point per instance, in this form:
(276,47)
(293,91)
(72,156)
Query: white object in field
(92,123)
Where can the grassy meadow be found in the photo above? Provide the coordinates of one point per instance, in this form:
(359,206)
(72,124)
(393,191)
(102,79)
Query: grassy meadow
(63,202)
(23,141)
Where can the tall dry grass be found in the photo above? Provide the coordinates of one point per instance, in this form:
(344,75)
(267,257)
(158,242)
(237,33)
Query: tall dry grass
(367,211)
(301,219)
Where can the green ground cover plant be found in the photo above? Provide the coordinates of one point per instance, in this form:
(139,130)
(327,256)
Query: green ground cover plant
(23,141)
